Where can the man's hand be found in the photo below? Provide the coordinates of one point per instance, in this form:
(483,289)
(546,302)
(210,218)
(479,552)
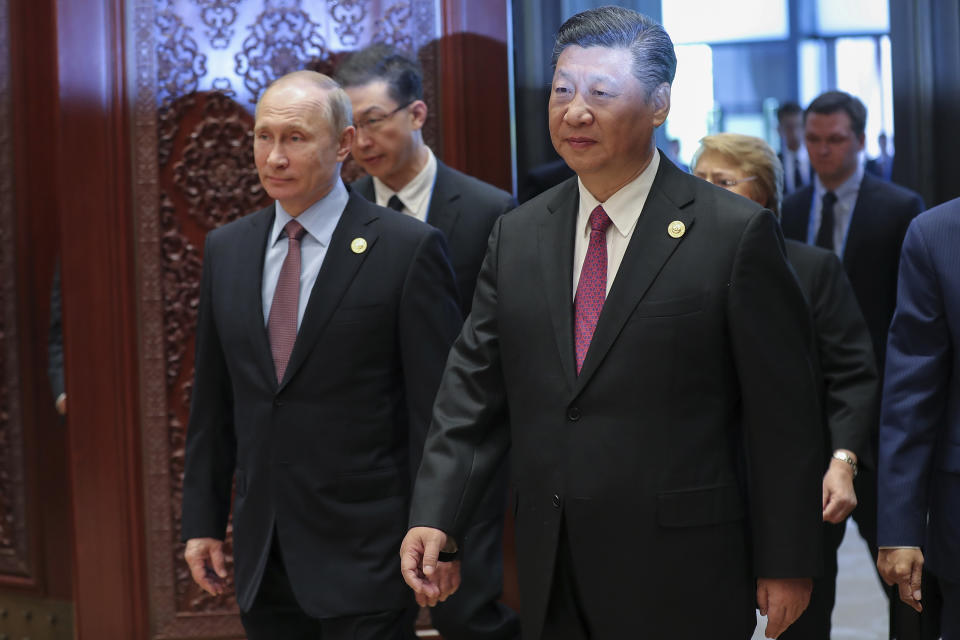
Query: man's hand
(839,498)
(205,558)
(432,581)
(61,404)
(903,567)
(782,600)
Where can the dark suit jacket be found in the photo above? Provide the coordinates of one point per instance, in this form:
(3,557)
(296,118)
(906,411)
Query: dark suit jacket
(55,339)
(919,468)
(464,209)
(685,459)
(850,388)
(325,458)
(880,218)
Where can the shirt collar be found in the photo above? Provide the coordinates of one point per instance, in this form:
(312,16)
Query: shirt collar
(414,193)
(319,219)
(624,206)
(848,189)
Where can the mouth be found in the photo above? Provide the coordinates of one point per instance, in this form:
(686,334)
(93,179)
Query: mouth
(580,142)
(371,160)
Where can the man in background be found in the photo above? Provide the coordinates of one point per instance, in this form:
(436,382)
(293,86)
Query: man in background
(386,90)
(793,153)
(863,220)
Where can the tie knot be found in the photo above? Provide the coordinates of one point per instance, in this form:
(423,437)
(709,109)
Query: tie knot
(395,203)
(599,220)
(295,230)
(829,198)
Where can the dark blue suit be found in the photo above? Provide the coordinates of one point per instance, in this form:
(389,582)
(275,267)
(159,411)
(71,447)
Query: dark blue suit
(919,462)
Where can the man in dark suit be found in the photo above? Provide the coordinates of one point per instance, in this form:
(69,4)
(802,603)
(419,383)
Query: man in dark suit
(862,219)
(641,346)
(919,517)
(793,154)
(386,90)
(324,324)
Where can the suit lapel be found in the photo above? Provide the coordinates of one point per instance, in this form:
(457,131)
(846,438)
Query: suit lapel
(862,223)
(364,186)
(649,249)
(555,240)
(251,275)
(340,265)
(444,209)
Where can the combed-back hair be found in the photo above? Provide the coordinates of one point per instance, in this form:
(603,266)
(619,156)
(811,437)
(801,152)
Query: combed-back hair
(754,157)
(339,110)
(654,60)
(834,101)
(403,76)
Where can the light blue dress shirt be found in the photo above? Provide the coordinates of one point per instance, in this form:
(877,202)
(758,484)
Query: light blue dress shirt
(842,210)
(319,219)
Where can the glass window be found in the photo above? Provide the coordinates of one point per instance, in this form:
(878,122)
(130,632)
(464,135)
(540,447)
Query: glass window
(689,21)
(691,98)
(813,70)
(852,16)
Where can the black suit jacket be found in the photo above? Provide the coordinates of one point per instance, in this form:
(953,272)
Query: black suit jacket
(685,459)
(464,209)
(850,384)
(880,218)
(325,458)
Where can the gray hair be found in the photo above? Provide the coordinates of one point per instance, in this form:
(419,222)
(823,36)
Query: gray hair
(654,60)
(339,110)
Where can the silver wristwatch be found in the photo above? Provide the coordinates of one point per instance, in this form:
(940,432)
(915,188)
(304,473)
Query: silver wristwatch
(846,457)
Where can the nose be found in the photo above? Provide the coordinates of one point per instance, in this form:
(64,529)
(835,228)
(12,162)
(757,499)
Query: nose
(578,112)
(362,138)
(277,158)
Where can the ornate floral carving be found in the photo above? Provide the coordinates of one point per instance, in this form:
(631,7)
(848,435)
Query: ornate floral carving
(182,267)
(216,174)
(13,542)
(283,39)
(180,65)
(393,27)
(219,17)
(349,16)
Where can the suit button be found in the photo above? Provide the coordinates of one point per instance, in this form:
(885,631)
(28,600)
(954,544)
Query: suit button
(556,501)
(573,414)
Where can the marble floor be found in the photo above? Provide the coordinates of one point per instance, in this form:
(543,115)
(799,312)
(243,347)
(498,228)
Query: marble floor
(861,609)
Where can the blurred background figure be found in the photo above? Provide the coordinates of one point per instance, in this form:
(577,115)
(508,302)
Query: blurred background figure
(862,219)
(793,153)
(882,165)
(748,166)
(673,152)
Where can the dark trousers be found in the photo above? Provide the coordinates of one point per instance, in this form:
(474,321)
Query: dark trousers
(950,610)
(814,622)
(276,615)
(474,611)
(566,619)
(905,623)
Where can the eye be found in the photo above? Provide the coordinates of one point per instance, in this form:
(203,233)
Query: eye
(727,182)
(561,90)
(600,93)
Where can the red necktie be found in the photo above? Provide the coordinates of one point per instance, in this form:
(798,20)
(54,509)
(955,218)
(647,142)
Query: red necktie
(282,324)
(592,288)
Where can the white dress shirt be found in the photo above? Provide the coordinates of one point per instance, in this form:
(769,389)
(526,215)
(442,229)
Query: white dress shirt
(842,209)
(792,159)
(624,209)
(415,195)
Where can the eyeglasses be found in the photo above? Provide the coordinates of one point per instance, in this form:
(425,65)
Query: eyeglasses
(726,183)
(374,124)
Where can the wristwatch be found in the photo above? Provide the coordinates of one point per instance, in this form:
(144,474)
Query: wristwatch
(849,459)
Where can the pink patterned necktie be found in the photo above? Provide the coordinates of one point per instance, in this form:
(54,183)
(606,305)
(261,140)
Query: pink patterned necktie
(282,324)
(592,288)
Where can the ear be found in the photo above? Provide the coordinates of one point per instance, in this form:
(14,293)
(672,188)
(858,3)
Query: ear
(418,111)
(861,139)
(661,104)
(345,142)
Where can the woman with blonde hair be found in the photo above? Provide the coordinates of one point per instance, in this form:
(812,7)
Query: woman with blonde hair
(749,167)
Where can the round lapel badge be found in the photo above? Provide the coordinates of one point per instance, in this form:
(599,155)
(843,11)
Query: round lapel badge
(359,245)
(676,229)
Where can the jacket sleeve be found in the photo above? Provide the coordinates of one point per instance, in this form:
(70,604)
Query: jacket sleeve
(469,434)
(210,452)
(771,339)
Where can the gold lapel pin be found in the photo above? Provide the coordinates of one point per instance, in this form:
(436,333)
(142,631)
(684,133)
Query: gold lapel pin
(359,245)
(676,229)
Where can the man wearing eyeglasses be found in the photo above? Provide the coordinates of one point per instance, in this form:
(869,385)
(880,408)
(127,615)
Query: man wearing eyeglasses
(386,91)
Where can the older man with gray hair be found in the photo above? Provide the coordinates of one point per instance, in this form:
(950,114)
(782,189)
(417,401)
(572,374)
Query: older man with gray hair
(640,345)
(324,324)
